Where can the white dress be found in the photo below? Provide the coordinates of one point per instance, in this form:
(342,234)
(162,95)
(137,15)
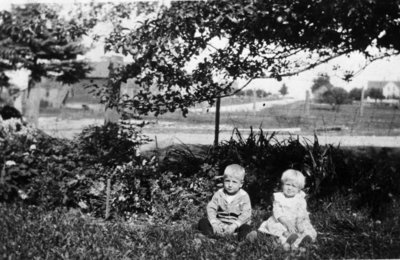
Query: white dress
(295,209)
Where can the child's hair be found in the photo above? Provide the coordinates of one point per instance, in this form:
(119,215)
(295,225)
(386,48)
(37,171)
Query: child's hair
(235,171)
(295,176)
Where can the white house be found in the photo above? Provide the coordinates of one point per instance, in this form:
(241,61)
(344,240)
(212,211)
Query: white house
(390,89)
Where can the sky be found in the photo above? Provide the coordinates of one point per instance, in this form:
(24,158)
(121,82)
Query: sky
(381,70)
(387,69)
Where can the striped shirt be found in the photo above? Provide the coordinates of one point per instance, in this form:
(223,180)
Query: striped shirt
(237,211)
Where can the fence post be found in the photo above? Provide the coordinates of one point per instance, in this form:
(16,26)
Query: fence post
(217,115)
(254,100)
(307,104)
(362,102)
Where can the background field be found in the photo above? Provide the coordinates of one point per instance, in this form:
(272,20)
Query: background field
(286,117)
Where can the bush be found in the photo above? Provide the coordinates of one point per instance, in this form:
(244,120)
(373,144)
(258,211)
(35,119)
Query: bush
(40,170)
(370,177)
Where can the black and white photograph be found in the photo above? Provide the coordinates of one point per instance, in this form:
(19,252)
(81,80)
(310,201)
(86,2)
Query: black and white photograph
(202,129)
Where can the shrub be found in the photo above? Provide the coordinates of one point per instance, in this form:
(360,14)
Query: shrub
(369,177)
(50,172)
(111,144)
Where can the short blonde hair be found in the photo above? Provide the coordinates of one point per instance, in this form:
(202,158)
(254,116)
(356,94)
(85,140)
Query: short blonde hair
(295,176)
(235,171)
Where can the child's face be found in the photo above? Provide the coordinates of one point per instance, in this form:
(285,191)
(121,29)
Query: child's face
(232,185)
(290,188)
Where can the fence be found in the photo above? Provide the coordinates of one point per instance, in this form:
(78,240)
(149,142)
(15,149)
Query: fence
(371,119)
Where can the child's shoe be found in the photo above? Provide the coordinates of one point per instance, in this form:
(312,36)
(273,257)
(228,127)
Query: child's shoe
(195,226)
(301,242)
(252,236)
(199,235)
(291,239)
(286,247)
(305,241)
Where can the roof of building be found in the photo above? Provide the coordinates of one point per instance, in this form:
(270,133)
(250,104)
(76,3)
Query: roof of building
(381,84)
(100,68)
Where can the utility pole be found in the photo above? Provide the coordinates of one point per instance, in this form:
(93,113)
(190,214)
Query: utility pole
(307,104)
(362,102)
(217,114)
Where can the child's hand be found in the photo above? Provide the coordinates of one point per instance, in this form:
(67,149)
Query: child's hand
(218,229)
(300,226)
(230,229)
(291,227)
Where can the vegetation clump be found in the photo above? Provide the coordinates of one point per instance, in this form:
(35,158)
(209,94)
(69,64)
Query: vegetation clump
(55,191)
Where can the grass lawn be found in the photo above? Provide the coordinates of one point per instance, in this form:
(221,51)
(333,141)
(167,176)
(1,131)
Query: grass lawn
(31,233)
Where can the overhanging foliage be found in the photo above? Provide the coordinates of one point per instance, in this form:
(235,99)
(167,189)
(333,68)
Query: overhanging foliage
(193,51)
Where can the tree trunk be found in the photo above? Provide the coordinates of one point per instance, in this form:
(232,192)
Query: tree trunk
(31,103)
(111,114)
(217,114)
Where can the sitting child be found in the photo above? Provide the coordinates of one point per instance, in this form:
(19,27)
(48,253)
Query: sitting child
(290,220)
(229,210)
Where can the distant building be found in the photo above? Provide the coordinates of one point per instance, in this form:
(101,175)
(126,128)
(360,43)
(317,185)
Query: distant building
(55,94)
(390,89)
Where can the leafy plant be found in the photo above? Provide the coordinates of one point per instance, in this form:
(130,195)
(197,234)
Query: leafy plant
(111,144)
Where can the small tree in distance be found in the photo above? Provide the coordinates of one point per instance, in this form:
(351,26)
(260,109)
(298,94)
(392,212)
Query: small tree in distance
(355,94)
(375,93)
(323,80)
(335,97)
(240,93)
(283,90)
(249,92)
(261,93)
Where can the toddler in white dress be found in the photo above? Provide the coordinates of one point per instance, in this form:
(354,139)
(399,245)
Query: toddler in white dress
(290,219)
